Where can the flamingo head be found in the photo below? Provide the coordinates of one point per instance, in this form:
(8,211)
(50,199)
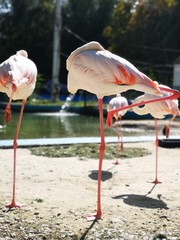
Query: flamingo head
(22,53)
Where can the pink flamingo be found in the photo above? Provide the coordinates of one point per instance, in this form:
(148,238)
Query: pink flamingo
(118,102)
(158,110)
(98,71)
(17,79)
(94,69)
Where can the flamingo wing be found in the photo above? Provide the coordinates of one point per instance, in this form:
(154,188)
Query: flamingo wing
(103,73)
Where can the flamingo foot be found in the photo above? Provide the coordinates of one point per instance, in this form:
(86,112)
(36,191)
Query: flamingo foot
(156,181)
(13,204)
(93,217)
(116,162)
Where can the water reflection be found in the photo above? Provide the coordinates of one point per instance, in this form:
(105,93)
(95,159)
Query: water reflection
(50,126)
(58,125)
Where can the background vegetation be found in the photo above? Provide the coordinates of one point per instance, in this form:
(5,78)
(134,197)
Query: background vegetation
(146,32)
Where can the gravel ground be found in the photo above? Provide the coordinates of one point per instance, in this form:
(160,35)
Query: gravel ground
(30,224)
(59,192)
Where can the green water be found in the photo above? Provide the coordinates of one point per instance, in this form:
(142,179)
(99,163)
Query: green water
(51,126)
(59,125)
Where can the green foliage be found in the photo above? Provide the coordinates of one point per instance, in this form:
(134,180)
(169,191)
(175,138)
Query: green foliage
(146,32)
(29,26)
(83,21)
(117,28)
(40,81)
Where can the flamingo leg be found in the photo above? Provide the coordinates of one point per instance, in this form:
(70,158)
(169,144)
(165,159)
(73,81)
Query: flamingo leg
(120,139)
(168,126)
(121,135)
(156,181)
(101,156)
(13,204)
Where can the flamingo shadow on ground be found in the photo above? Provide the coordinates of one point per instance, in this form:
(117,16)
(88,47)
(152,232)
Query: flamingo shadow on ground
(87,230)
(142,201)
(106,175)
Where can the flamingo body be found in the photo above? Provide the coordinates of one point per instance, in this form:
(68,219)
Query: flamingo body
(17,79)
(96,70)
(118,102)
(158,110)
(18,76)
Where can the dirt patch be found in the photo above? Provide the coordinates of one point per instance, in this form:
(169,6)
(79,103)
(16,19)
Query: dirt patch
(58,192)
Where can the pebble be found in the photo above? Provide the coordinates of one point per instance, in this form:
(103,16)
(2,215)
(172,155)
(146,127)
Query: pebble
(25,225)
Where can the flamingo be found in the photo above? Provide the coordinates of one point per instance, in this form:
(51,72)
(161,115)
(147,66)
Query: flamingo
(17,79)
(114,103)
(158,110)
(174,94)
(94,69)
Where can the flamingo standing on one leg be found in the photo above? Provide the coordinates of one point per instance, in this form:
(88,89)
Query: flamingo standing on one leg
(158,110)
(17,79)
(98,71)
(118,102)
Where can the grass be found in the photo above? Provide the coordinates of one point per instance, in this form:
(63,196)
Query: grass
(37,101)
(88,151)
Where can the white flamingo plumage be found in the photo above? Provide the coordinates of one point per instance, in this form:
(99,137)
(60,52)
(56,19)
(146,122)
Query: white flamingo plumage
(158,110)
(118,102)
(98,71)
(17,79)
(170,95)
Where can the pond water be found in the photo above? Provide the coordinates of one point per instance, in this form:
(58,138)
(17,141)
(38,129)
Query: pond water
(56,125)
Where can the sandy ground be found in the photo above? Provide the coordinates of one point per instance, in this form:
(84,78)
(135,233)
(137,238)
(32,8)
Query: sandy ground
(66,189)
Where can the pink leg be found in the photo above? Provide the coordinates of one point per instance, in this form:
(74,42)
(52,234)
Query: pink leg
(168,126)
(156,181)
(121,136)
(167,131)
(101,155)
(120,140)
(13,204)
